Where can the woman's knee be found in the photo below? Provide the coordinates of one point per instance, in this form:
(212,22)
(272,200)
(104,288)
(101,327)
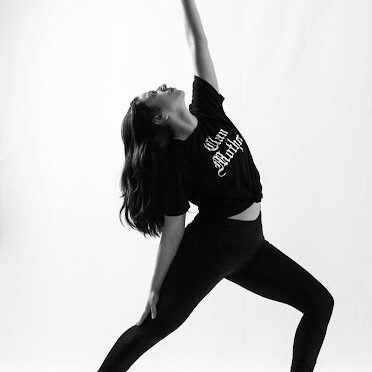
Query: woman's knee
(329,302)
(322,303)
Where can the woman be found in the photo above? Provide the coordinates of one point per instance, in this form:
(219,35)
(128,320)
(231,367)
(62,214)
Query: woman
(174,155)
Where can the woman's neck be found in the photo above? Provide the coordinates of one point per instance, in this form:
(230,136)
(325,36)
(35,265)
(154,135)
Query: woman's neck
(184,124)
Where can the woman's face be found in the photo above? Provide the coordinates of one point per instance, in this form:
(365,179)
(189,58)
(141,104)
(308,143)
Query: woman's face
(166,99)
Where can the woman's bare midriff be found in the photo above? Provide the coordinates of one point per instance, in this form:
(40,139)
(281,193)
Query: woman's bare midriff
(249,214)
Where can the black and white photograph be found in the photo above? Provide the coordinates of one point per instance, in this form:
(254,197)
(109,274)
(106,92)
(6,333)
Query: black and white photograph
(186,185)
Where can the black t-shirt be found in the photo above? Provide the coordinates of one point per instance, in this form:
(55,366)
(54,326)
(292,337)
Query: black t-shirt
(213,168)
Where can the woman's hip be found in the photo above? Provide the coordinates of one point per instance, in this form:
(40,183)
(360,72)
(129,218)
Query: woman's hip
(221,242)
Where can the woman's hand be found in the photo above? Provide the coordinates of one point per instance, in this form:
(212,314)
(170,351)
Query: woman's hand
(150,306)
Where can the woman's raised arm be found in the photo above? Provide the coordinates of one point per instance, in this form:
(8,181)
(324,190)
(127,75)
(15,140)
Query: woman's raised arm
(198,43)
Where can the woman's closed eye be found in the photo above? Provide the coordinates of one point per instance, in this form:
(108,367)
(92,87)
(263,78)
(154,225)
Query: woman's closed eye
(161,87)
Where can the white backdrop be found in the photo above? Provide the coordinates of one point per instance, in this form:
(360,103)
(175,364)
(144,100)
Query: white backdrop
(297,79)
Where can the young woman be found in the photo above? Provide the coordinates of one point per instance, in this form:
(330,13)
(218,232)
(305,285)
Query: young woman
(173,155)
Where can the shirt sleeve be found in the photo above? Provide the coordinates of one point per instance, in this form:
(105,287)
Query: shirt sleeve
(172,196)
(205,99)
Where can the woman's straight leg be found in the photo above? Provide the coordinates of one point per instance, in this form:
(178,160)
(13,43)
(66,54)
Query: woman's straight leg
(274,275)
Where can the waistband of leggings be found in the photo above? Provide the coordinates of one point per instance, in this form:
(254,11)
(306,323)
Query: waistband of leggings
(225,220)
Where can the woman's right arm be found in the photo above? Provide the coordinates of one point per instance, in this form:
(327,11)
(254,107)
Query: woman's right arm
(198,44)
(195,34)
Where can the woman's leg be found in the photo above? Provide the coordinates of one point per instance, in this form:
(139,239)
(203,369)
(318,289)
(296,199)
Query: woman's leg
(190,277)
(274,275)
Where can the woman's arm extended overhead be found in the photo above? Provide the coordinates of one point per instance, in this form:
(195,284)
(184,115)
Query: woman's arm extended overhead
(198,43)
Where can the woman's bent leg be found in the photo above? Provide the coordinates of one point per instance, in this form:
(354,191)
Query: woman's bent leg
(274,275)
(188,280)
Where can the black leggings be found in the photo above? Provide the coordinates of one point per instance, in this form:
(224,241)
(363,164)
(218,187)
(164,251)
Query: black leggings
(236,250)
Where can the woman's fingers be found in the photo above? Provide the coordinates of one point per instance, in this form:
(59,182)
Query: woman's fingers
(143,316)
(154,301)
(153,311)
(150,306)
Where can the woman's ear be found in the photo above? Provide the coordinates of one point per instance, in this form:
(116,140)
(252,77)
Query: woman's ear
(160,119)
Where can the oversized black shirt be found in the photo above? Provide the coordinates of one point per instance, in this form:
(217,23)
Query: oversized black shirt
(213,168)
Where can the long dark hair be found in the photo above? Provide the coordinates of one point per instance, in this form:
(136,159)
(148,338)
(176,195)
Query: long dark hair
(144,147)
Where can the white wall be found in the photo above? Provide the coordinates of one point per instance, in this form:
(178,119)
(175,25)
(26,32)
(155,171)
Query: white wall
(297,80)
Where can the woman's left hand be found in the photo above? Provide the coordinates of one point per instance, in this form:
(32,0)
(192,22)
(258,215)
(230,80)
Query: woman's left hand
(150,306)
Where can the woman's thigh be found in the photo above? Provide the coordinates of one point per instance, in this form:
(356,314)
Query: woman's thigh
(274,275)
(208,252)
(192,274)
